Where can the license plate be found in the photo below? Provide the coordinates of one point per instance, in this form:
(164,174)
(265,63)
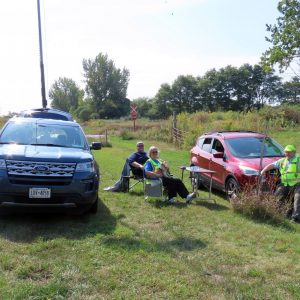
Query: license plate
(39,193)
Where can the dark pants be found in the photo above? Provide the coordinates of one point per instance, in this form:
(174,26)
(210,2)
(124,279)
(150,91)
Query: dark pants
(284,192)
(174,186)
(137,172)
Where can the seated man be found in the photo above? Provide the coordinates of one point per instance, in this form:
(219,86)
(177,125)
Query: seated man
(137,160)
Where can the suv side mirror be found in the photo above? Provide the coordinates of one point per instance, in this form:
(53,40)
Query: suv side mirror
(218,155)
(95,146)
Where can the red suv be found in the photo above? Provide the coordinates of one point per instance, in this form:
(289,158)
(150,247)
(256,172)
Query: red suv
(235,156)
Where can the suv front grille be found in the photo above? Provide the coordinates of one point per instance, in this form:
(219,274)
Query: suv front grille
(24,172)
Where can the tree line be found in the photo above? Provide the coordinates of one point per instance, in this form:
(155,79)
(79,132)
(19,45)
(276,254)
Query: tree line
(231,88)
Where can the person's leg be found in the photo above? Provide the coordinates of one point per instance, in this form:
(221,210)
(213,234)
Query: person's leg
(281,193)
(181,189)
(296,211)
(169,184)
(174,186)
(137,172)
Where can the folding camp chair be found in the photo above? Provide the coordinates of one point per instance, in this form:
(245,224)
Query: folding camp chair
(133,175)
(153,188)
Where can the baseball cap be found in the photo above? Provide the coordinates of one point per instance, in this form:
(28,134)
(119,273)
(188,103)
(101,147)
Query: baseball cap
(140,143)
(290,148)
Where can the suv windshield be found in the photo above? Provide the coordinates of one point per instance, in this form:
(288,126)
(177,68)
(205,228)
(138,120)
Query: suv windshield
(251,147)
(43,134)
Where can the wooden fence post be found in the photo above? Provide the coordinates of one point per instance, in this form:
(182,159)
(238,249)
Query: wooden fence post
(174,126)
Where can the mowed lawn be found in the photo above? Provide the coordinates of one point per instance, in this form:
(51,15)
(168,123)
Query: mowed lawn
(137,249)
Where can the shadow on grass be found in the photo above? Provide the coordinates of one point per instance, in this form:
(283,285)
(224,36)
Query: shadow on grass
(136,193)
(162,203)
(210,205)
(284,224)
(26,228)
(131,244)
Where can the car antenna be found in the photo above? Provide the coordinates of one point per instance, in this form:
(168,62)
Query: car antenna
(43,89)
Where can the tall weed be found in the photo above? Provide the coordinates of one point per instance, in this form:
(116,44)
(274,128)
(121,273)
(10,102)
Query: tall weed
(261,207)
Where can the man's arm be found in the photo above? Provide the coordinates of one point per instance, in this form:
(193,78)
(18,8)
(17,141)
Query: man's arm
(137,165)
(271,166)
(132,160)
(266,169)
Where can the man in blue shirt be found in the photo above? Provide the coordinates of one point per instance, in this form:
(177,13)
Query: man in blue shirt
(137,160)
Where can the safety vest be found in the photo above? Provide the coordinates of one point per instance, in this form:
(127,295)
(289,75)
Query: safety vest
(155,166)
(290,176)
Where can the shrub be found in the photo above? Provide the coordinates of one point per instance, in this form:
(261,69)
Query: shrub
(263,207)
(126,135)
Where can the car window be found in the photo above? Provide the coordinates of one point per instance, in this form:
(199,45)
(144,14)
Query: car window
(43,134)
(251,147)
(217,146)
(68,136)
(18,133)
(207,144)
(200,142)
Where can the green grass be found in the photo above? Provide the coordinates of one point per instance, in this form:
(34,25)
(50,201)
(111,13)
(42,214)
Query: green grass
(137,249)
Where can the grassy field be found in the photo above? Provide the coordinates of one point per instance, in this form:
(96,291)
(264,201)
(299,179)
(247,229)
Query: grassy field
(133,249)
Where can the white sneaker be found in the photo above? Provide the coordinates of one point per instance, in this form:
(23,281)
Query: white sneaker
(190,197)
(172,201)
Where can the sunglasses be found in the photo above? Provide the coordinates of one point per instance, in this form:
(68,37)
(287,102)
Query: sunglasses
(154,152)
(140,145)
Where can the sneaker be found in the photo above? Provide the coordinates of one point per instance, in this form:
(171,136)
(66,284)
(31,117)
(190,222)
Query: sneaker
(172,201)
(190,197)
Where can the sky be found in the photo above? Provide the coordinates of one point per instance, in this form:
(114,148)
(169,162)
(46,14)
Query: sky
(156,40)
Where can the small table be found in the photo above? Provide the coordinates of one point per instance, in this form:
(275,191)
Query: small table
(195,172)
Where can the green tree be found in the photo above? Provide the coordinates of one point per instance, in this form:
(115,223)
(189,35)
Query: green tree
(184,91)
(65,94)
(162,107)
(285,36)
(106,86)
(291,91)
(144,107)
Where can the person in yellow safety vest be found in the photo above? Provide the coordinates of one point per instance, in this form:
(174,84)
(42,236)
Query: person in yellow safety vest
(289,168)
(155,169)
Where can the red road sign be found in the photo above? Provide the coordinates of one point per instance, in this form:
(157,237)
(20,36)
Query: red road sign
(133,112)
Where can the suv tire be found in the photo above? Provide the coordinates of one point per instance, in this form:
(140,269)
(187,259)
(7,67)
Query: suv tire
(232,188)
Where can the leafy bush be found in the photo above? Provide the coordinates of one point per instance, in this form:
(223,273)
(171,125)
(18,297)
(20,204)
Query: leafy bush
(126,135)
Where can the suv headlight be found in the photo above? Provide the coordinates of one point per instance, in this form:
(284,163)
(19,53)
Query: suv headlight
(85,167)
(248,171)
(2,164)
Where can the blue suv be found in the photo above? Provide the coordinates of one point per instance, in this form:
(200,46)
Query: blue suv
(47,164)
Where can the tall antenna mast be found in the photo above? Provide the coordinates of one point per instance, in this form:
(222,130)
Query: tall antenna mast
(43,89)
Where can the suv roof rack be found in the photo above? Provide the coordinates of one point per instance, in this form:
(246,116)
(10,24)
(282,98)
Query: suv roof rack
(46,113)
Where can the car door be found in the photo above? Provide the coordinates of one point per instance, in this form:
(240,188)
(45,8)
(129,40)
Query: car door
(205,158)
(217,164)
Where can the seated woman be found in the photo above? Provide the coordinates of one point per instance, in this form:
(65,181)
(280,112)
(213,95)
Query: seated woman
(155,169)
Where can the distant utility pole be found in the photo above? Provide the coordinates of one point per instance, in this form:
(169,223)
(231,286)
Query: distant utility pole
(43,89)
